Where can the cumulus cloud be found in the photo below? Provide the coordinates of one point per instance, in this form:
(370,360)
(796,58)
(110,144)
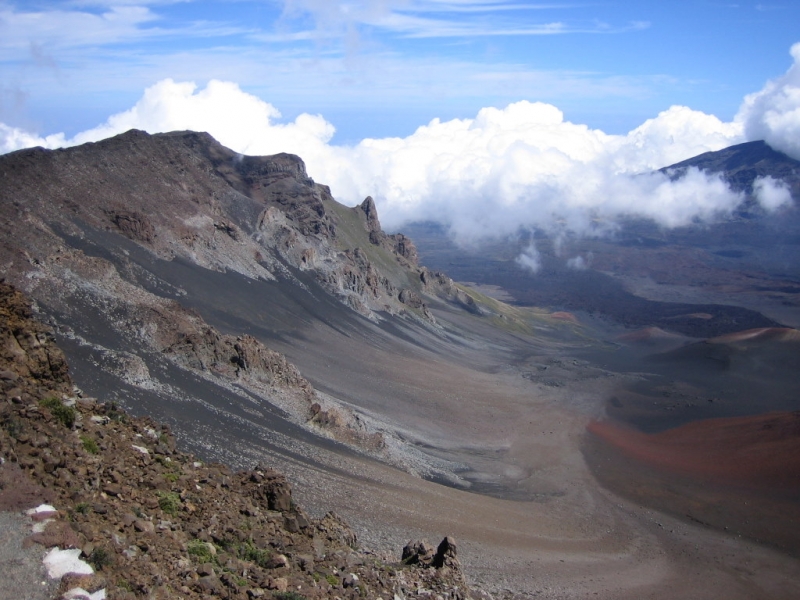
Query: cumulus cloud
(530,258)
(524,165)
(519,168)
(578,263)
(14,138)
(773,114)
(235,118)
(771,194)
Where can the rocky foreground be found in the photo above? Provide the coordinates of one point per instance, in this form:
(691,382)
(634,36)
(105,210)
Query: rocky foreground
(153,521)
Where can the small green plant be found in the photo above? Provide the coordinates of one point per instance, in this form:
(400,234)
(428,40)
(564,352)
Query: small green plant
(289,596)
(62,413)
(169,502)
(13,427)
(173,469)
(332,579)
(200,550)
(124,584)
(90,445)
(248,551)
(82,508)
(115,413)
(100,558)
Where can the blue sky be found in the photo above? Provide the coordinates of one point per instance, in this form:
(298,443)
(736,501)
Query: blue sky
(489,116)
(377,68)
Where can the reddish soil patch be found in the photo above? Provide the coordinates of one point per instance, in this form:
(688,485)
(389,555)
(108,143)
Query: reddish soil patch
(740,475)
(648,334)
(761,451)
(762,334)
(565,316)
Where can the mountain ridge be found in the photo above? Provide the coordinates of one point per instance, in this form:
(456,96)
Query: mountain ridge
(742,164)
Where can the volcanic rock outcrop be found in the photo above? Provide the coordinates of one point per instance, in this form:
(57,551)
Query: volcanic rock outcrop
(128,245)
(153,521)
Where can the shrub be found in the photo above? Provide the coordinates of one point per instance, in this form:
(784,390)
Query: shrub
(169,502)
(13,427)
(248,551)
(201,550)
(115,413)
(332,579)
(62,413)
(90,445)
(99,558)
(289,596)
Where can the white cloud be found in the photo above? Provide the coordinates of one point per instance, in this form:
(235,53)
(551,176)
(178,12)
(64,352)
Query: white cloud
(58,29)
(773,114)
(236,119)
(530,258)
(525,166)
(14,138)
(578,263)
(412,18)
(771,194)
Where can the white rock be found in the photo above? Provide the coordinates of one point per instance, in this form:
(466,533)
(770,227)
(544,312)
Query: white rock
(41,525)
(42,508)
(141,449)
(60,562)
(82,594)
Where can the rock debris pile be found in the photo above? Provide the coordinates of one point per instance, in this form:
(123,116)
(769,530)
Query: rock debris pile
(152,521)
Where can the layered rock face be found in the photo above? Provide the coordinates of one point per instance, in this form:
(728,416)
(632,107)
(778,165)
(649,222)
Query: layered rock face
(157,523)
(184,196)
(107,238)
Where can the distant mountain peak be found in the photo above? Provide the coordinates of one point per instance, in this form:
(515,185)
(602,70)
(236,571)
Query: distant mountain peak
(742,164)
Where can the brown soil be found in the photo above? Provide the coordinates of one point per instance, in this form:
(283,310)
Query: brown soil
(761,451)
(740,475)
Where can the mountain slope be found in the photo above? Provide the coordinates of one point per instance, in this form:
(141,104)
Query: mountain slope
(155,522)
(741,164)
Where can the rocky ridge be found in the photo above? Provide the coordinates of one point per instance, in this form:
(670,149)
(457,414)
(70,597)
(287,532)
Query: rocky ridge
(184,196)
(100,235)
(155,522)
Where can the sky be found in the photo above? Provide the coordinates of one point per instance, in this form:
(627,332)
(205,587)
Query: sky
(487,115)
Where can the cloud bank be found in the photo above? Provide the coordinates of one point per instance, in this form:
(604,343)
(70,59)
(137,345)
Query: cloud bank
(773,114)
(522,167)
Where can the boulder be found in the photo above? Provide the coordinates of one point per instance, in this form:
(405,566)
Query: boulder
(419,552)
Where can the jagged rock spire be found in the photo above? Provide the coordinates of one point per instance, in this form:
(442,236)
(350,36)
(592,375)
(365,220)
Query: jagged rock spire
(371,212)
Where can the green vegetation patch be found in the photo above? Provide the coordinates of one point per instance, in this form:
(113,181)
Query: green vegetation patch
(100,558)
(201,551)
(62,413)
(90,445)
(249,552)
(289,596)
(169,502)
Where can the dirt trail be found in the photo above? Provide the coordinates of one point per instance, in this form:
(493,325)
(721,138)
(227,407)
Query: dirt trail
(24,575)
